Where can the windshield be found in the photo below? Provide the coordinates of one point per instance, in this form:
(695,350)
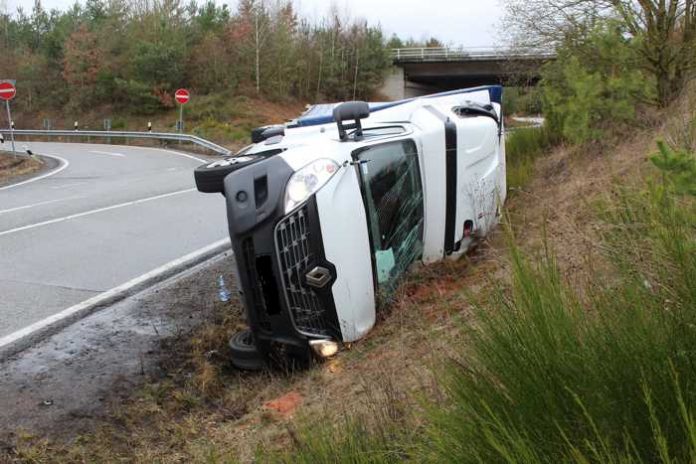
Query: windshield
(393,198)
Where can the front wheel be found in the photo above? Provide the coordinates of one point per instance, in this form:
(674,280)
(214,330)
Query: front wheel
(245,355)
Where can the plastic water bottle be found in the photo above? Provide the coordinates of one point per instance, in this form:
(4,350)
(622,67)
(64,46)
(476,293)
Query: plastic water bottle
(223,293)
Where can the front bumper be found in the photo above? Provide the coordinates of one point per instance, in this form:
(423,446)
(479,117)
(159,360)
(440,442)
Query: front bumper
(274,253)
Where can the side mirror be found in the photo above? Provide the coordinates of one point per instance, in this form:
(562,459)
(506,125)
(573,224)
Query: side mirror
(355,111)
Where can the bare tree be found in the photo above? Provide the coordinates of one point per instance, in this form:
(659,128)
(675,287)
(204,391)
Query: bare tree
(5,17)
(666,29)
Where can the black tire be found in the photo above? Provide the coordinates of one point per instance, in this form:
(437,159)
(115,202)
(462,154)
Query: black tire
(210,176)
(259,134)
(245,356)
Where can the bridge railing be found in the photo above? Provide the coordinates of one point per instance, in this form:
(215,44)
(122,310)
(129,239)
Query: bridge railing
(419,54)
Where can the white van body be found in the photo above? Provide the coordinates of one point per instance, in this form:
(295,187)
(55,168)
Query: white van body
(424,179)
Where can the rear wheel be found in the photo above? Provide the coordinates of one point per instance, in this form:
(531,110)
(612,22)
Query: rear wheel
(245,355)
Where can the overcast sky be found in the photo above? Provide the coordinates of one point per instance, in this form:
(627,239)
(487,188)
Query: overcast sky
(459,22)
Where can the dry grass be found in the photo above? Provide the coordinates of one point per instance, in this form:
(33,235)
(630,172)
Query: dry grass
(558,208)
(11,167)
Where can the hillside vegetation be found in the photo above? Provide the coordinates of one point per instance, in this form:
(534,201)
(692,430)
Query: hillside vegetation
(132,56)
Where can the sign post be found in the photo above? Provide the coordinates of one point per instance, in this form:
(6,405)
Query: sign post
(182,96)
(7,93)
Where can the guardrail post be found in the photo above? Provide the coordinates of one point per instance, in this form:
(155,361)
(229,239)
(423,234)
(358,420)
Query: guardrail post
(107,128)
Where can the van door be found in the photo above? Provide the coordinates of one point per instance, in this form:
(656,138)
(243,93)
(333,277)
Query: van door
(393,198)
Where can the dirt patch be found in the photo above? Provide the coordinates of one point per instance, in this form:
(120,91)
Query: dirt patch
(276,113)
(17,168)
(286,405)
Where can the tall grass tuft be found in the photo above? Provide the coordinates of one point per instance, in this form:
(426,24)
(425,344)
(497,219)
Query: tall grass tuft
(351,441)
(611,378)
(522,148)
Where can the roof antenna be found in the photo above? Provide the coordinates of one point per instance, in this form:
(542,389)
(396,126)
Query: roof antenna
(355,111)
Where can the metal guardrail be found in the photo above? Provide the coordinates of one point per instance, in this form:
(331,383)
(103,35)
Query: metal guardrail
(420,54)
(188,138)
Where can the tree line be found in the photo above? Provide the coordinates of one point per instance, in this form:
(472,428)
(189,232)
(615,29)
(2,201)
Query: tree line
(134,54)
(614,59)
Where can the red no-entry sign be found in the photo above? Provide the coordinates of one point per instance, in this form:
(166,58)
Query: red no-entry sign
(182,96)
(8,91)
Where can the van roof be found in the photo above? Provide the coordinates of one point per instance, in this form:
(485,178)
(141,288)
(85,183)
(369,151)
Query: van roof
(323,113)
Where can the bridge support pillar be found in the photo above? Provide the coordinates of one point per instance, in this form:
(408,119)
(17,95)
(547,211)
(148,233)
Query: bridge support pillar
(394,85)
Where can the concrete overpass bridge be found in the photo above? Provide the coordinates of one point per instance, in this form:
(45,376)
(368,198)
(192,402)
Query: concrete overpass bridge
(419,71)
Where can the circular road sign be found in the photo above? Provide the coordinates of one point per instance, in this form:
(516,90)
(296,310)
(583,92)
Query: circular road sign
(182,96)
(8,91)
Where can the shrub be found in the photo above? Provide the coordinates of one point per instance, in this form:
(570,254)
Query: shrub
(136,95)
(522,100)
(594,84)
(678,166)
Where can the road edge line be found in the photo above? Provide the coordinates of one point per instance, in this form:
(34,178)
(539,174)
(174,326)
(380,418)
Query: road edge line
(22,339)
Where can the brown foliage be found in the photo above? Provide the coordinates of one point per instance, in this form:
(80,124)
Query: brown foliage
(82,58)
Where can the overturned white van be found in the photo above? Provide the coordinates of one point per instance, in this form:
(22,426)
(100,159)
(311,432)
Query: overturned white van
(327,213)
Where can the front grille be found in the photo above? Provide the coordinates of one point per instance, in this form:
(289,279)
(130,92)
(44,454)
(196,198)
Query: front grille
(293,242)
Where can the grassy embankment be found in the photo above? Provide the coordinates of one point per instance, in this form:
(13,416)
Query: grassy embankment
(556,368)
(567,338)
(12,167)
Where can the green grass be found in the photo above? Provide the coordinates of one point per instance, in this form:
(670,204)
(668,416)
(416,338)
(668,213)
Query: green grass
(554,374)
(522,148)
(607,379)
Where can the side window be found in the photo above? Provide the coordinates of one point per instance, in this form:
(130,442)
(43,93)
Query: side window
(393,196)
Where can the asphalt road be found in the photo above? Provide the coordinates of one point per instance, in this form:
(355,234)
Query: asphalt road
(107,215)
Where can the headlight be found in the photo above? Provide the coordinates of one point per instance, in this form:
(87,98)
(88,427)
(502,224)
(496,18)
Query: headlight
(324,348)
(307,181)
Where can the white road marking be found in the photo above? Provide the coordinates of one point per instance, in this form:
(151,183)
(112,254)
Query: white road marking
(94,211)
(110,153)
(19,208)
(66,316)
(178,153)
(74,184)
(34,179)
